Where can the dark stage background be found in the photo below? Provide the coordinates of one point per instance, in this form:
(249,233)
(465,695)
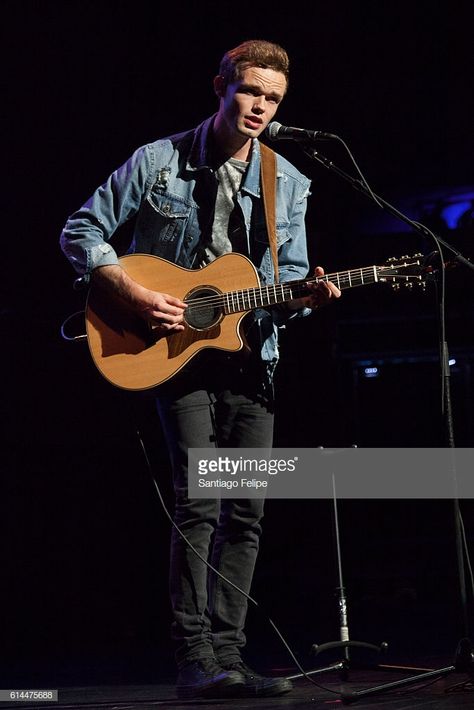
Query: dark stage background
(85,543)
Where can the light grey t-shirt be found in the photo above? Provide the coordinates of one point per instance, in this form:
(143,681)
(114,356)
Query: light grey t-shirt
(228,230)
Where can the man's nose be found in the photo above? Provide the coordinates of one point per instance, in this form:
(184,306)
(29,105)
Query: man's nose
(259,104)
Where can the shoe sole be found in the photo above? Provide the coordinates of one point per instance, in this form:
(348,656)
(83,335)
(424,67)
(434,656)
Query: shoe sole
(221,689)
(280,688)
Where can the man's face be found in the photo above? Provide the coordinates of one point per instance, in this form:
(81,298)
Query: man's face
(250,103)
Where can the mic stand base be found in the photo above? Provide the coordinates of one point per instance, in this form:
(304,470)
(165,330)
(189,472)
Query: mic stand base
(346,664)
(319,671)
(463,663)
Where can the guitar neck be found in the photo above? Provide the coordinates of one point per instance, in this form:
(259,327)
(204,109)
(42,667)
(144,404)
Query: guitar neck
(273,294)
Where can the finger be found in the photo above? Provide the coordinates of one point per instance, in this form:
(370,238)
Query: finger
(334,289)
(167,319)
(172,327)
(320,287)
(326,289)
(173,301)
(165,309)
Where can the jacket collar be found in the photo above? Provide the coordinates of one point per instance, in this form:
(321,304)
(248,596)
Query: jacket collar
(198,157)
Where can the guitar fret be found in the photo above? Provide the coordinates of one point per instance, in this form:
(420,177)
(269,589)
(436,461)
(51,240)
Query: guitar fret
(269,295)
(272,294)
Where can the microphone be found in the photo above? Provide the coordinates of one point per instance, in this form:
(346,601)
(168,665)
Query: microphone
(276,132)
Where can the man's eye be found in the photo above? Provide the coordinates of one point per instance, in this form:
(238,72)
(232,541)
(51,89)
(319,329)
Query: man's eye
(251,92)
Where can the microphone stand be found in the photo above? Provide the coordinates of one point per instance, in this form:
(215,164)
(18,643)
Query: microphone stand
(464,657)
(361,187)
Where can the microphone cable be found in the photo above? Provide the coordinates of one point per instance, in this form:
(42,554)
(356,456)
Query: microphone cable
(354,162)
(223,577)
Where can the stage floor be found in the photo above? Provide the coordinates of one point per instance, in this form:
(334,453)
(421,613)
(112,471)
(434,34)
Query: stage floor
(454,690)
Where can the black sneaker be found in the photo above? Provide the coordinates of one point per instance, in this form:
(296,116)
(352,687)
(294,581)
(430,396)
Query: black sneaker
(206,679)
(255,684)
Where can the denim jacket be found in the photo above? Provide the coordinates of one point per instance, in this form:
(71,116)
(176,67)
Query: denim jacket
(167,185)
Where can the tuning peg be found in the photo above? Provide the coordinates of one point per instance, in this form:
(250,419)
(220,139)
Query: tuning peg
(409,285)
(396,286)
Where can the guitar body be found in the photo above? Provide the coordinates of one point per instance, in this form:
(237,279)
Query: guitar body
(126,349)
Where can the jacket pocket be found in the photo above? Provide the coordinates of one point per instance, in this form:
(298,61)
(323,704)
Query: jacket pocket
(169,218)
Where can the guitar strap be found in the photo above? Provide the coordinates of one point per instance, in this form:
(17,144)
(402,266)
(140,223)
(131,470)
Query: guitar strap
(268,179)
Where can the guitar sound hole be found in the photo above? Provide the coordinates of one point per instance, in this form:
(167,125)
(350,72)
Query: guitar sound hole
(204,310)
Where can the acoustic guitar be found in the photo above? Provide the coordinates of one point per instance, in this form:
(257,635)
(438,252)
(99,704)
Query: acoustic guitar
(130,353)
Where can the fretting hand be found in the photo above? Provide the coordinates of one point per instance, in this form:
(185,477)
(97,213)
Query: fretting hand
(322,293)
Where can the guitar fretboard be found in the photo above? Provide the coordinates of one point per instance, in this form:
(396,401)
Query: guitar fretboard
(273,294)
(237,301)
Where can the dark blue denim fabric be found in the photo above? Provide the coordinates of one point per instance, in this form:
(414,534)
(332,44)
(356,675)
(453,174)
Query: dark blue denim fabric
(209,614)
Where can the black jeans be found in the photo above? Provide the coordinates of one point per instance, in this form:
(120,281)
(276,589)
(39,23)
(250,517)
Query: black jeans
(219,403)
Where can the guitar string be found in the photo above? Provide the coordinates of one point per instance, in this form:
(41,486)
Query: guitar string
(219,299)
(284,291)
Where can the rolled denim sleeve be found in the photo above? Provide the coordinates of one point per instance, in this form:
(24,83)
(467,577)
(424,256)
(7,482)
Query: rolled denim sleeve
(87,233)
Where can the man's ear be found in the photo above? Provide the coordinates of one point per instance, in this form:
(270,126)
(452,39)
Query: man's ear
(219,85)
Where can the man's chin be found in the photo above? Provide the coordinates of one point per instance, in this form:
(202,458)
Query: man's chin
(251,131)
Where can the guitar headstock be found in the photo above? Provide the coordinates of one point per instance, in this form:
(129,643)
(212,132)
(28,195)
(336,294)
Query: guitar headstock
(405,271)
